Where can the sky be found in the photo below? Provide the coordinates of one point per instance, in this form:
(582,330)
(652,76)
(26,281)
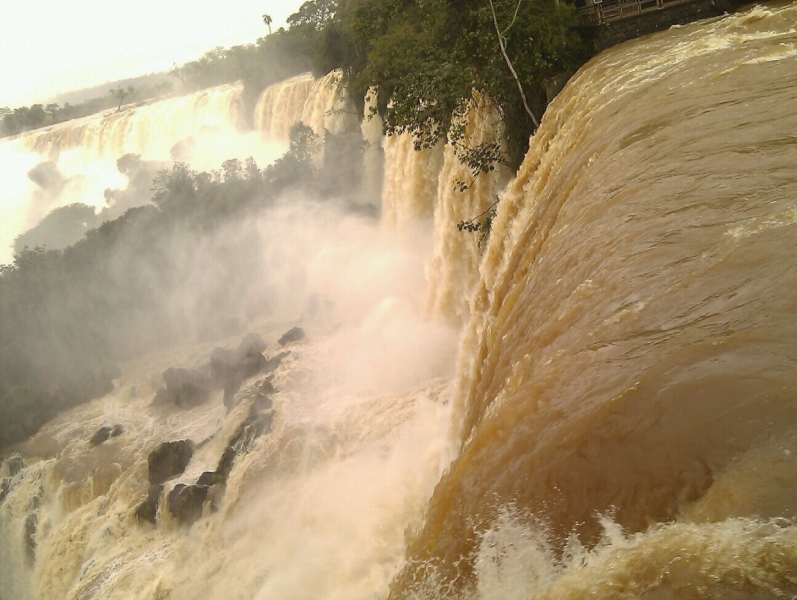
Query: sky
(52,46)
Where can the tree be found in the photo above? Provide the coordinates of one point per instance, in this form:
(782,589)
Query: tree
(317,13)
(121,93)
(303,143)
(52,110)
(427,58)
(267,20)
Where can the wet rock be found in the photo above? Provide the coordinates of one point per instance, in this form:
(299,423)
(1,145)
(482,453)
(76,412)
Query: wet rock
(162,397)
(185,502)
(187,388)
(5,487)
(251,344)
(210,478)
(230,368)
(215,496)
(168,460)
(104,433)
(293,335)
(247,360)
(255,425)
(221,362)
(148,510)
(274,361)
(31,525)
(14,465)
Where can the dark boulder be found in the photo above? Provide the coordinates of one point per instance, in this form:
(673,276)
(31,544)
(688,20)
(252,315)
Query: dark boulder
(247,360)
(104,433)
(274,361)
(293,335)
(31,525)
(210,478)
(221,363)
(230,368)
(14,465)
(5,487)
(148,510)
(185,502)
(255,425)
(251,344)
(168,460)
(162,396)
(250,365)
(187,388)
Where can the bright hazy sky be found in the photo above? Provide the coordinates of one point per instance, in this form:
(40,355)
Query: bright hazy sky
(53,46)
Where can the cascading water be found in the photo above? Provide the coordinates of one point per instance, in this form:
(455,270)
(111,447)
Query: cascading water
(626,401)
(461,196)
(281,105)
(323,104)
(150,130)
(199,128)
(409,191)
(623,409)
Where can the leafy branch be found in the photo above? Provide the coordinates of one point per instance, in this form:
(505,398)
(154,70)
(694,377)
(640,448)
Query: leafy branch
(482,223)
(480,159)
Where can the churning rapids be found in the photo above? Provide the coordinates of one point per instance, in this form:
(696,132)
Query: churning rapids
(621,418)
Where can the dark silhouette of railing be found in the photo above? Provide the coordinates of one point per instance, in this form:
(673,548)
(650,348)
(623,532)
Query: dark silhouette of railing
(614,10)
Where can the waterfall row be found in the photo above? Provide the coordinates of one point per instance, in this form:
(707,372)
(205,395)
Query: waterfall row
(150,130)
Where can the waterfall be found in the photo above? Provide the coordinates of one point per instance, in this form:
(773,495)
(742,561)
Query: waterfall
(150,130)
(623,405)
(200,128)
(280,105)
(454,268)
(617,422)
(322,104)
(409,191)
(435,184)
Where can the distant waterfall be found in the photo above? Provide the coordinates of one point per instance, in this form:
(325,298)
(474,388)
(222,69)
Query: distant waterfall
(150,130)
(323,104)
(281,105)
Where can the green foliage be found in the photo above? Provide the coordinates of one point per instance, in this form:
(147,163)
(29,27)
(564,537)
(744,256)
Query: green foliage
(316,13)
(427,58)
(60,228)
(481,224)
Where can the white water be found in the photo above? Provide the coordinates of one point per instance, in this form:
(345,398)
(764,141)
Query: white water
(321,506)
(317,507)
(323,104)
(201,129)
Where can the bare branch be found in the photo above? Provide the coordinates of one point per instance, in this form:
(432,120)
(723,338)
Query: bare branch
(514,17)
(502,44)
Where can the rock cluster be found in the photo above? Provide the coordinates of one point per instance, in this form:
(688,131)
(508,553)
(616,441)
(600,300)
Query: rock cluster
(104,433)
(292,335)
(226,369)
(166,461)
(186,388)
(186,502)
(13,466)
